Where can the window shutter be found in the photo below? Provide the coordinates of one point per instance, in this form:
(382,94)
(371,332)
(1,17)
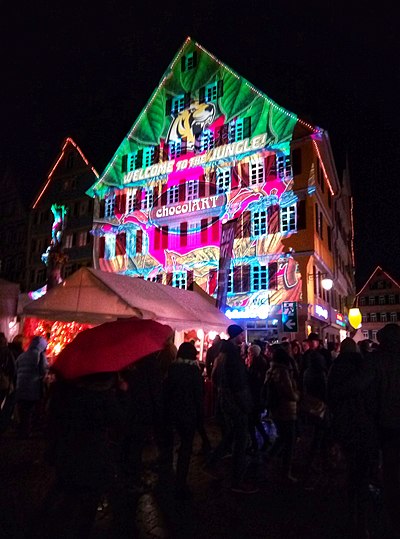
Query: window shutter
(157,239)
(139,159)
(212,281)
(138,198)
(165,152)
(269,167)
(183,63)
(272,275)
(187,100)
(246,127)
(183,234)
(235,177)
(194,59)
(124,164)
(220,88)
(204,231)
(139,241)
(245,278)
(169,279)
(120,244)
(102,246)
(182,190)
(202,94)
(202,188)
(301,215)
(215,229)
(246,224)
(296,161)
(102,207)
(168,106)
(223,135)
(273,219)
(156,198)
(212,182)
(189,280)
(164,237)
(244,172)
(159,278)
(164,195)
(156,157)
(237,279)
(184,146)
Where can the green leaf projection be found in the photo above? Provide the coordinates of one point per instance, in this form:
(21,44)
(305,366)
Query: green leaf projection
(237,99)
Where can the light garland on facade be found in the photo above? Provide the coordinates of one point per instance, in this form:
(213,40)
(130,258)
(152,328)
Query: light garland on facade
(323,168)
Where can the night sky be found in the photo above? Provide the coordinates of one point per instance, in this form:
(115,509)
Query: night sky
(86,70)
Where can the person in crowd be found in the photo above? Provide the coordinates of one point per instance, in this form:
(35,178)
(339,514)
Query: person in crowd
(365,346)
(297,353)
(231,378)
(315,386)
(256,369)
(352,404)
(283,409)
(7,382)
(305,345)
(286,345)
(212,353)
(183,390)
(31,368)
(16,345)
(334,349)
(84,426)
(315,343)
(387,363)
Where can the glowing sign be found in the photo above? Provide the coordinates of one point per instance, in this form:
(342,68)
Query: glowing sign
(221,152)
(258,307)
(190,206)
(321,312)
(339,320)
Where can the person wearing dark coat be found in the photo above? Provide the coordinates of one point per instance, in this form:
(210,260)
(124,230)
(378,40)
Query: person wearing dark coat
(183,392)
(352,402)
(256,370)
(84,421)
(31,368)
(387,363)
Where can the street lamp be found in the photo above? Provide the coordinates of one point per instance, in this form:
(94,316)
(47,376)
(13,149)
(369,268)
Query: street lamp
(326,282)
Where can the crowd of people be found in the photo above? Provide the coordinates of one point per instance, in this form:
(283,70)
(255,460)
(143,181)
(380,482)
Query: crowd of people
(266,396)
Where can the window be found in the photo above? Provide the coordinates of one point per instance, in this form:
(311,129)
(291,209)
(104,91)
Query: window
(189,61)
(179,279)
(82,238)
(134,242)
(259,223)
(288,218)
(239,129)
(365,318)
(373,317)
(383,317)
(175,149)
(393,317)
(259,278)
(68,241)
(381,300)
(256,172)
(371,300)
(223,180)
(230,280)
(109,251)
(365,333)
(373,334)
(148,156)
(131,202)
(178,104)
(207,141)
(192,237)
(211,92)
(283,166)
(391,299)
(192,190)
(362,300)
(109,209)
(134,161)
(147,201)
(173,194)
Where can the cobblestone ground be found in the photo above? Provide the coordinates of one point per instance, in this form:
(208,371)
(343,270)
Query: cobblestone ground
(277,511)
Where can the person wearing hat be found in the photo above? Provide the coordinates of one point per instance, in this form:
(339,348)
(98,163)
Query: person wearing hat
(387,361)
(231,378)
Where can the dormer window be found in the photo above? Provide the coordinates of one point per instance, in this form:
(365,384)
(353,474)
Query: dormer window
(189,61)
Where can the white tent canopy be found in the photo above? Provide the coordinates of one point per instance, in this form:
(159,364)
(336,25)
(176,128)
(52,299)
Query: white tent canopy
(95,296)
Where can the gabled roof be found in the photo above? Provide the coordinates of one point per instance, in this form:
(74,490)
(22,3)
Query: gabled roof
(373,274)
(239,97)
(68,143)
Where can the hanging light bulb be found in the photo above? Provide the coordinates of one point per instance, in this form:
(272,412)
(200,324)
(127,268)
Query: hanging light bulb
(355,317)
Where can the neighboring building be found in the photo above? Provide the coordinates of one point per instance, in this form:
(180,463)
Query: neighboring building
(65,186)
(13,229)
(217,184)
(379,303)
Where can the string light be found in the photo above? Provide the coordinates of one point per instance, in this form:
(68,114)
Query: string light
(323,168)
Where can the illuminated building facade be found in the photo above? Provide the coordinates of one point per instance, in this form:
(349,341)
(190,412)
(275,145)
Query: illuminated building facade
(63,193)
(210,155)
(379,303)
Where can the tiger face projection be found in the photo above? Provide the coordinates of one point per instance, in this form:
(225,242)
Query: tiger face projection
(190,123)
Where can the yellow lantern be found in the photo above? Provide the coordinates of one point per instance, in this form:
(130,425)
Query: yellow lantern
(355,317)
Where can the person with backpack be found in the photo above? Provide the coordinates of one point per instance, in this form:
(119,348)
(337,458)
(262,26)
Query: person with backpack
(281,397)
